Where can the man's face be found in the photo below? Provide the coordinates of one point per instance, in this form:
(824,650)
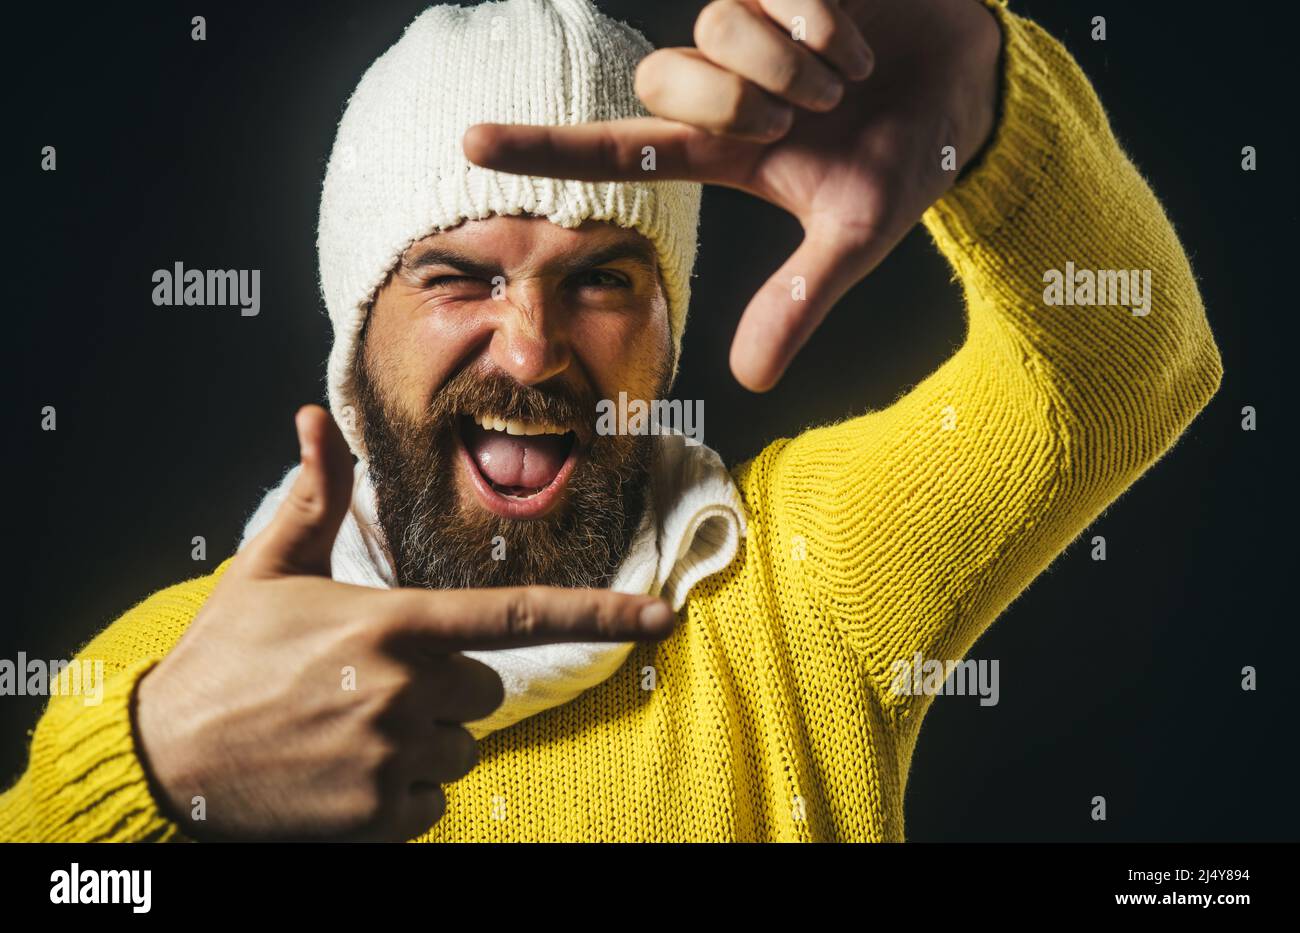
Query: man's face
(483,358)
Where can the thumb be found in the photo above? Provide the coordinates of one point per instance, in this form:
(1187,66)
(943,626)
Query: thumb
(796,299)
(301,535)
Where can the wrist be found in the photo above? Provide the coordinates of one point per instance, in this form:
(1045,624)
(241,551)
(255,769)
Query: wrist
(158,752)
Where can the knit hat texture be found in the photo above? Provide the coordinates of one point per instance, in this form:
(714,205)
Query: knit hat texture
(397,172)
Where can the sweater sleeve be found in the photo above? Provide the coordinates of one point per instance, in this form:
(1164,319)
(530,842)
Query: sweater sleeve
(910,529)
(85,779)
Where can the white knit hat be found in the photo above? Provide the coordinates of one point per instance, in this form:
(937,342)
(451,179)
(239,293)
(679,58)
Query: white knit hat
(397,172)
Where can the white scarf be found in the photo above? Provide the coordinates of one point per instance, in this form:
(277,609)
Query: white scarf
(692,527)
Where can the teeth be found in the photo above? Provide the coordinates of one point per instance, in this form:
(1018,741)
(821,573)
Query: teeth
(522,428)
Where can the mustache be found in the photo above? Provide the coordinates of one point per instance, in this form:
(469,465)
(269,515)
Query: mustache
(477,393)
(435,543)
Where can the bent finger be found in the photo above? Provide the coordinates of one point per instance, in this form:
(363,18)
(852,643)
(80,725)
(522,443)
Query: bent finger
(827,30)
(683,85)
(745,42)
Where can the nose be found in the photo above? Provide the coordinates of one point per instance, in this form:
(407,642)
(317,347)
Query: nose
(531,341)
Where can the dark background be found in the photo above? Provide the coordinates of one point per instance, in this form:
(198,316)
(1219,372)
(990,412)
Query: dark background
(1118,678)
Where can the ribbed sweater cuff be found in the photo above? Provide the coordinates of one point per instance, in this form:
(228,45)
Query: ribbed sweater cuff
(1015,160)
(88,782)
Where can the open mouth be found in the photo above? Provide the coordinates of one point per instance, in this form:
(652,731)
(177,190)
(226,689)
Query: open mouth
(518,469)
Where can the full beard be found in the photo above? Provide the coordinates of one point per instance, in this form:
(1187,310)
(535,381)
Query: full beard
(436,543)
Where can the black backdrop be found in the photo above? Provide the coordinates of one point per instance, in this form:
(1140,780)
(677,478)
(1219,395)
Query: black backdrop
(1118,678)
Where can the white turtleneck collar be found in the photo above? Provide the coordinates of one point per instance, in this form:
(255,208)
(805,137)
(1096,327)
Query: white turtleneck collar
(692,527)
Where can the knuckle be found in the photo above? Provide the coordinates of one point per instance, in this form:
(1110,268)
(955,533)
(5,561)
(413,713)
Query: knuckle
(522,611)
(650,80)
(306,507)
(355,640)
(394,626)
(820,24)
(734,108)
(748,111)
(616,150)
(715,26)
(785,74)
(603,613)
(382,712)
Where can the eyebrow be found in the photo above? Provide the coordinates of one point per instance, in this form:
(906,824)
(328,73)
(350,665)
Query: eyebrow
(637,251)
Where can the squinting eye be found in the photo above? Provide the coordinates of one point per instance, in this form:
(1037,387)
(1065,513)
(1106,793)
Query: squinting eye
(445,280)
(603,278)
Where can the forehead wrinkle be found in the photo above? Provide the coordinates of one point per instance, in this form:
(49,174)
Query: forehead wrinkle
(469,257)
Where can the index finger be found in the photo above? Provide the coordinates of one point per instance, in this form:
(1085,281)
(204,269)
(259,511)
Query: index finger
(517,617)
(633,149)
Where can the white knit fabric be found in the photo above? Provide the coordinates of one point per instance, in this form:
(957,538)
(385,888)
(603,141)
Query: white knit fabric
(397,171)
(692,528)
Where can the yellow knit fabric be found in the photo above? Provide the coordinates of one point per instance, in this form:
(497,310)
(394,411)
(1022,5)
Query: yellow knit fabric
(904,530)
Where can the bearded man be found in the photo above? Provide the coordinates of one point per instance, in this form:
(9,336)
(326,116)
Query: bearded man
(503,624)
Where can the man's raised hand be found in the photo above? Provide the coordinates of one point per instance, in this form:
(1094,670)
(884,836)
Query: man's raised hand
(786,100)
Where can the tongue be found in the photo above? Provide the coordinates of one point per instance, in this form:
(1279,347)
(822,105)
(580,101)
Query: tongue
(520,462)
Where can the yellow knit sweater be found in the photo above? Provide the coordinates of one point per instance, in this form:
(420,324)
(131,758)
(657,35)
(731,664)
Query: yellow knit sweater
(901,531)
